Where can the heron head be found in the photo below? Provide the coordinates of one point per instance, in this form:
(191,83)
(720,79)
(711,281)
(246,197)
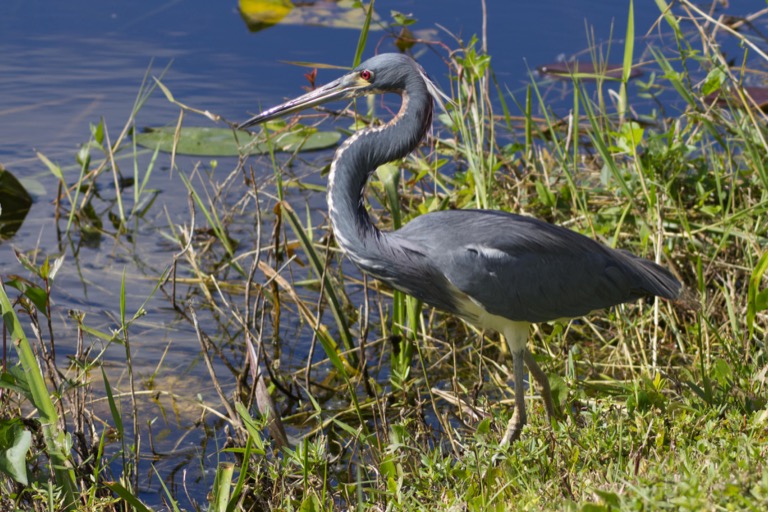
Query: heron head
(388,72)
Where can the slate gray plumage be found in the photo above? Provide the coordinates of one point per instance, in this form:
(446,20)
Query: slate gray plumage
(496,270)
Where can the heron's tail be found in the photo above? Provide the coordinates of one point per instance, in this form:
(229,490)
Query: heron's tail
(655,280)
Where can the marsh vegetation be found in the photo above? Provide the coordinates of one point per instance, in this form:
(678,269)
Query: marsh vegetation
(325,390)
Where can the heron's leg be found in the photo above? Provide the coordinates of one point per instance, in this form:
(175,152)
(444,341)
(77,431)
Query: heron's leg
(517,422)
(543,382)
(516,334)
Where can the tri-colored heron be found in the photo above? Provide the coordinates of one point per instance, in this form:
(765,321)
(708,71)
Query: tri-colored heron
(494,269)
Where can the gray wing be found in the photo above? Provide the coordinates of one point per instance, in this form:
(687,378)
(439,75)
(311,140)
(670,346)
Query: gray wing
(525,269)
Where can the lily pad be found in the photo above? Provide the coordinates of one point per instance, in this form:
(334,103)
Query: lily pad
(199,141)
(260,14)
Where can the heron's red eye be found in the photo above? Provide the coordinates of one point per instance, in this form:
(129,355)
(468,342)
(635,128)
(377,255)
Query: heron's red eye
(366,75)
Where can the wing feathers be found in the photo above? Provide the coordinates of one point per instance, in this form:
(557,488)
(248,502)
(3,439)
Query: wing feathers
(527,270)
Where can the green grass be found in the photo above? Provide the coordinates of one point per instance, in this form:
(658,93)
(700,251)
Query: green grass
(665,407)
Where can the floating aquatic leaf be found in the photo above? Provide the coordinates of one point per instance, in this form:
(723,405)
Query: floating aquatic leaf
(200,141)
(587,70)
(260,14)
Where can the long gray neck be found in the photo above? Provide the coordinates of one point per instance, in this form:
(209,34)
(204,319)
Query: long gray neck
(357,159)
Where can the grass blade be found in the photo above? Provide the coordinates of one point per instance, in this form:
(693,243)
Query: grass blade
(629,45)
(116,417)
(363,35)
(127,496)
(753,294)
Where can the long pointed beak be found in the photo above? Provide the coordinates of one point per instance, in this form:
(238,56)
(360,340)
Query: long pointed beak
(342,88)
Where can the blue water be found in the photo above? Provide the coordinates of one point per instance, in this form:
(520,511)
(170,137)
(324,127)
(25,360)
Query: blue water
(65,65)
(90,56)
